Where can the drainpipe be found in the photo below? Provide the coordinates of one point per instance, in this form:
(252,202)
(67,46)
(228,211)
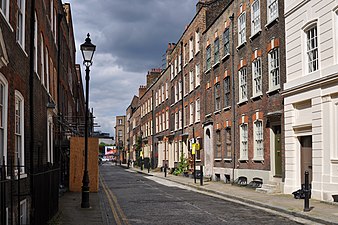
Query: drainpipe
(31,103)
(233,98)
(182,96)
(153,130)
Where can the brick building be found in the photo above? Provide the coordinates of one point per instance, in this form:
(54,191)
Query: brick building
(39,86)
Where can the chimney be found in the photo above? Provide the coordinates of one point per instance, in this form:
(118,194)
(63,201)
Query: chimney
(152,75)
(142,90)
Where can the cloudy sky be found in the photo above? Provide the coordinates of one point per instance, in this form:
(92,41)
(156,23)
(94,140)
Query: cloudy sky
(131,37)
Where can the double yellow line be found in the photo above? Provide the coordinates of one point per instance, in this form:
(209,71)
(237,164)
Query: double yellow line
(119,216)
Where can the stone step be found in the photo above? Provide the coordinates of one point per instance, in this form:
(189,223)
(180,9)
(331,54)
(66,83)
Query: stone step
(265,190)
(268,188)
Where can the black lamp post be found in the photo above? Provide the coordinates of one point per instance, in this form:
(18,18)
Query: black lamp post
(87,50)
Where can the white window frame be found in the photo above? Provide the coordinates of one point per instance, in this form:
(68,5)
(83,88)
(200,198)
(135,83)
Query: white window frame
(255,17)
(47,70)
(4,119)
(23,218)
(216,51)
(312,51)
(208,58)
(243,141)
(191,109)
(171,71)
(166,91)
(243,85)
(50,138)
(272,10)
(42,61)
(175,69)
(274,72)
(36,44)
(191,49)
(191,80)
(167,119)
(197,74)
(198,111)
(227,91)
(197,41)
(257,77)
(179,63)
(20,132)
(226,42)
(180,89)
(21,23)
(217,96)
(51,15)
(5,9)
(242,29)
(259,141)
(180,117)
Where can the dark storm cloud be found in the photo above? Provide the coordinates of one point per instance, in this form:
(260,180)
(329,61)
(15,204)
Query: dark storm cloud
(131,37)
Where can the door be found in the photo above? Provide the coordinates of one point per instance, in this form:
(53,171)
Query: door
(306,157)
(208,151)
(278,151)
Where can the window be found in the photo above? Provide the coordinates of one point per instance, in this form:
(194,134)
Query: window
(160,128)
(256,18)
(191,113)
(23,212)
(171,71)
(242,85)
(274,69)
(218,149)
(47,70)
(119,134)
(312,49)
(197,41)
(191,80)
(5,8)
(228,143)
(51,15)
(42,61)
(257,77)
(176,121)
(175,69)
(180,118)
(198,114)
(120,121)
(180,89)
(226,42)
(243,141)
(166,90)
(208,58)
(162,90)
(216,51)
(241,29)
(179,63)
(198,152)
(163,121)
(258,125)
(227,92)
(191,49)
(185,81)
(50,139)
(3,118)
(272,10)
(35,43)
(176,92)
(197,73)
(217,96)
(167,117)
(19,159)
(186,116)
(20,27)
(156,97)
(184,54)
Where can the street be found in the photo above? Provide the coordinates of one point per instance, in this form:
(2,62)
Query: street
(132,198)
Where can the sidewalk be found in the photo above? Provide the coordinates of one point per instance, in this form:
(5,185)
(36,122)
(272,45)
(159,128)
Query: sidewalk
(321,212)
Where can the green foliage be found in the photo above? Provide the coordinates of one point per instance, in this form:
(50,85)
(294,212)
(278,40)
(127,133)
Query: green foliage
(182,165)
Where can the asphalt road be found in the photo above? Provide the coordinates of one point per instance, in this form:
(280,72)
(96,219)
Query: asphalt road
(132,198)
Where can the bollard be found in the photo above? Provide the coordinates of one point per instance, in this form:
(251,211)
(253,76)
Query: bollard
(148,167)
(165,170)
(201,177)
(306,192)
(128,164)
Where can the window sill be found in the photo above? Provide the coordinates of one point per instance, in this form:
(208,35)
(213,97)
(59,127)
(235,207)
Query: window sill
(244,101)
(256,97)
(191,60)
(7,21)
(23,50)
(208,115)
(273,91)
(196,122)
(207,71)
(198,160)
(228,160)
(217,112)
(258,160)
(270,23)
(197,86)
(243,160)
(334,160)
(218,159)
(225,57)
(197,53)
(185,65)
(255,35)
(215,65)
(227,108)
(241,45)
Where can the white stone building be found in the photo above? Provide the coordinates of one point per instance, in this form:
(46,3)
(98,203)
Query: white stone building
(311,96)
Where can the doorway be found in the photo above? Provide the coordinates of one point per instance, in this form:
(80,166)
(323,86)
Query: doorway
(306,157)
(278,151)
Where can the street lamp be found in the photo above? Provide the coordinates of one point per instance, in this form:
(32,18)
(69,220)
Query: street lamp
(87,50)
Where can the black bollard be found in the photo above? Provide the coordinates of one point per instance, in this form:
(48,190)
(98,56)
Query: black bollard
(201,176)
(306,192)
(165,170)
(148,167)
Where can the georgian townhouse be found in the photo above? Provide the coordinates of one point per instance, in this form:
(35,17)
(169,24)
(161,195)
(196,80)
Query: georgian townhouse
(31,71)
(244,69)
(311,97)
(161,114)
(147,121)
(132,122)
